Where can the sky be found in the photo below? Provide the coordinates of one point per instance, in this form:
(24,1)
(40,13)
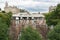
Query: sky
(31,5)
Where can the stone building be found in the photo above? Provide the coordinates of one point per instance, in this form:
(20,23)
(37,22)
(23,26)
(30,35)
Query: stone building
(13,9)
(27,18)
(51,8)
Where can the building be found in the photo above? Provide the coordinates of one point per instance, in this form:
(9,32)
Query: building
(13,9)
(51,8)
(27,18)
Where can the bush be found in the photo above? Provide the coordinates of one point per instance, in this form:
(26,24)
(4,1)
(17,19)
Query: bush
(55,33)
(4,25)
(30,34)
(3,12)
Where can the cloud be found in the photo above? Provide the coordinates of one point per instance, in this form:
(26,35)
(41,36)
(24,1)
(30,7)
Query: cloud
(31,5)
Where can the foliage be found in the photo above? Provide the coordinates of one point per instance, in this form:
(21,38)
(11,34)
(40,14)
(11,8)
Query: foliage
(55,33)
(30,34)
(52,18)
(23,10)
(4,25)
(3,12)
(9,18)
(3,31)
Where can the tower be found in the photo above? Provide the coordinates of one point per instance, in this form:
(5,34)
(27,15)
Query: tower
(6,4)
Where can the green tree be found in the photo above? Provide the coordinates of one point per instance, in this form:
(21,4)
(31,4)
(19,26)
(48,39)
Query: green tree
(3,31)
(30,34)
(3,12)
(9,18)
(4,26)
(53,17)
(54,34)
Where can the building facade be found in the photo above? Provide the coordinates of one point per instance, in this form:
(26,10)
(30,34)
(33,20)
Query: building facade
(26,18)
(13,9)
(51,8)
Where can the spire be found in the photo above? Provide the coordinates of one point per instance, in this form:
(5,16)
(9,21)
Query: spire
(6,4)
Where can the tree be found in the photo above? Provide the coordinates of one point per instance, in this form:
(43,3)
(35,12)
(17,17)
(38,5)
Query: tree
(54,34)
(3,31)
(3,12)
(9,18)
(30,34)
(4,26)
(52,18)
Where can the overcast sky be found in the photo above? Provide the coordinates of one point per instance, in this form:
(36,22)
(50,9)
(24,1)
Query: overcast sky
(31,5)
